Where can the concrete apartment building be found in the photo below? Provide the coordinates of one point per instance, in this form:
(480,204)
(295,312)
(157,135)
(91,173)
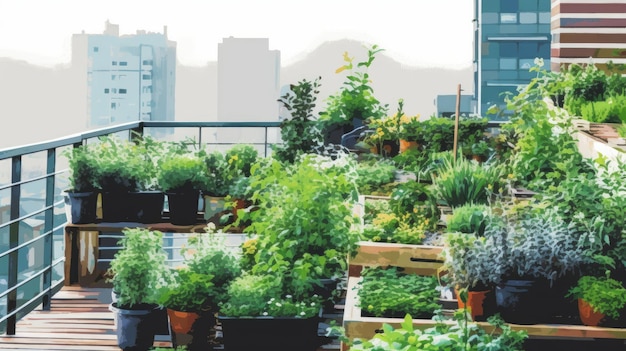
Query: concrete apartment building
(508,36)
(127,78)
(592,31)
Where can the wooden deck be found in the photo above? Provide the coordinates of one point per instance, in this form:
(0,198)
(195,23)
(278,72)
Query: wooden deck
(79,319)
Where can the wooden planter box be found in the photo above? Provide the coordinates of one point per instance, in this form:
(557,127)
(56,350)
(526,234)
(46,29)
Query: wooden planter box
(418,259)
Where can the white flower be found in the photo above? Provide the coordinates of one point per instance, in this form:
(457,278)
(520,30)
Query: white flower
(312,304)
(539,61)
(265,313)
(556,131)
(288,296)
(278,304)
(302,313)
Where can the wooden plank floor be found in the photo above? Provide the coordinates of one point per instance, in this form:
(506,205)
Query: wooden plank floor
(79,319)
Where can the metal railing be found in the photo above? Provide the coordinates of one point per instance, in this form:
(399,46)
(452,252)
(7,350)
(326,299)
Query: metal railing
(32,215)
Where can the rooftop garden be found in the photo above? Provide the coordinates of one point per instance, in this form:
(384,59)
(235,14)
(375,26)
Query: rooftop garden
(309,207)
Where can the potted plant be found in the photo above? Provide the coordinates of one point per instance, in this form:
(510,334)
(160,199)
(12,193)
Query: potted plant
(410,133)
(82,195)
(198,287)
(468,260)
(136,272)
(121,167)
(355,101)
(598,298)
(218,181)
(146,203)
(257,308)
(304,220)
(539,254)
(480,151)
(181,176)
(300,133)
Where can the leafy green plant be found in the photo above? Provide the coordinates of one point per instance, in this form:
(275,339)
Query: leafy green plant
(300,133)
(83,169)
(621,130)
(355,99)
(181,173)
(388,292)
(416,200)
(469,261)
(469,219)
(373,174)
(461,335)
(388,227)
(261,295)
(604,294)
(219,176)
(468,182)
(138,270)
(240,159)
(188,291)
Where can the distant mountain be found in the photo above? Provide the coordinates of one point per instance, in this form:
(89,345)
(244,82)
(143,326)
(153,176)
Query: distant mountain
(39,104)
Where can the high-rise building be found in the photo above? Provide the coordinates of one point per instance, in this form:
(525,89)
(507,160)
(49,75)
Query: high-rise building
(127,78)
(508,36)
(588,32)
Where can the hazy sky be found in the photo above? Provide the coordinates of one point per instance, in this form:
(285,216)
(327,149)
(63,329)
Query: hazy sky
(415,32)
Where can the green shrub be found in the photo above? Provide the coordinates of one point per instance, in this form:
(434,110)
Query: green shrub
(469,219)
(605,295)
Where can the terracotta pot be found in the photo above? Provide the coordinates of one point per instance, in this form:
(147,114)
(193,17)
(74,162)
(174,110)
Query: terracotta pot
(407,145)
(475,303)
(587,315)
(180,321)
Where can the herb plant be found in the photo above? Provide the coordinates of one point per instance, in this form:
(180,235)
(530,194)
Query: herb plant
(604,294)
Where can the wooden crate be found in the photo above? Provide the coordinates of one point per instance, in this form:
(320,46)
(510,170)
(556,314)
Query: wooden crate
(418,259)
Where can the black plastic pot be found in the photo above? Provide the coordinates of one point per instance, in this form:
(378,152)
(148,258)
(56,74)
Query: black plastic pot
(115,206)
(268,333)
(146,206)
(523,301)
(135,327)
(183,207)
(82,207)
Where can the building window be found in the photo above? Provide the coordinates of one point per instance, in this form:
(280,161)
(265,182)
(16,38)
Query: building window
(113,105)
(508,18)
(508,50)
(146,76)
(113,76)
(106,90)
(545,17)
(508,63)
(528,18)
(510,6)
(122,91)
(526,64)
(147,62)
(114,90)
(123,63)
(114,63)
(95,49)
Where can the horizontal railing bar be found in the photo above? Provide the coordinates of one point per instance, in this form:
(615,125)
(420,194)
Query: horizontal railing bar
(26,243)
(29,302)
(23,282)
(30,180)
(28,215)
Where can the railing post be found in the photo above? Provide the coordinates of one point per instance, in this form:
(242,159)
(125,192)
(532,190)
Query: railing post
(14,230)
(265,146)
(48,255)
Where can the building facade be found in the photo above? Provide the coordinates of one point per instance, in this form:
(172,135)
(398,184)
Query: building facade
(128,78)
(508,36)
(588,32)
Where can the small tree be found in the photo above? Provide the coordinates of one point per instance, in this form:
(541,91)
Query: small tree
(300,133)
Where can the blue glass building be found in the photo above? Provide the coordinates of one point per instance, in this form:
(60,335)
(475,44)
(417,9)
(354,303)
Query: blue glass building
(508,36)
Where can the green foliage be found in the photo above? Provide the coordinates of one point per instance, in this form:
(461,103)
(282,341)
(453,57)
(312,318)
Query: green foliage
(138,270)
(207,254)
(181,173)
(219,175)
(469,261)
(621,130)
(416,200)
(461,335)
(240,159)
(469,219)
(189,292)
(373,174)
(375,206)
(390,228)
(388,292)
(83,169)
(355,98)
(300,133)
(261,295)
(304,219)
(468,182)
(604,294)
